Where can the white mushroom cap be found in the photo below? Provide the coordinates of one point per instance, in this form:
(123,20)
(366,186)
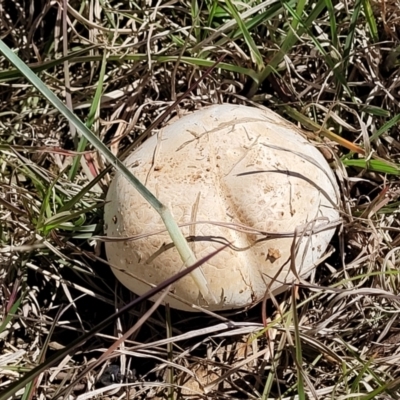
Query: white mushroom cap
(224,167)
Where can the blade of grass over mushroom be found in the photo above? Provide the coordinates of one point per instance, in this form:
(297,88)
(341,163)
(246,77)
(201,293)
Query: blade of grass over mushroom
(291,39)
(60,354)
(94,109)
(175,233)
(254,52)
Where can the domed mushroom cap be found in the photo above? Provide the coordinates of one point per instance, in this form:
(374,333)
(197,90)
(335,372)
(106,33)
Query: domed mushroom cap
(229,174)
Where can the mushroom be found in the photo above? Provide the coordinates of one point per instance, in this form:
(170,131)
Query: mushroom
(229,174)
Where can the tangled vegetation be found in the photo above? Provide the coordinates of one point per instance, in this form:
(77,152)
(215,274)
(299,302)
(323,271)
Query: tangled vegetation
(125,68)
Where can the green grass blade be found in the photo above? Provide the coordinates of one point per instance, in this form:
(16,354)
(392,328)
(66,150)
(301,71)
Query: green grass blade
(355,386)
(90,119)
(194,11)
(373,165)
(4,76)
(369,15)
(66,216)
(376,111)
(45,210)
(348,46)
(43,66)
(384,128)
(78,197)
(11,313)
(255,53)
(298,348)
(332,23)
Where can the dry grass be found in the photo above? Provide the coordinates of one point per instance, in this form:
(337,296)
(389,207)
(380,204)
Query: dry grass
(334,338)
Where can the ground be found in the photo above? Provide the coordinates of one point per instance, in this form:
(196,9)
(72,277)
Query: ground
(125,69)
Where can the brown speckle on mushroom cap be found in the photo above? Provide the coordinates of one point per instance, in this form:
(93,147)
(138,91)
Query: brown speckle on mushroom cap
(225,164)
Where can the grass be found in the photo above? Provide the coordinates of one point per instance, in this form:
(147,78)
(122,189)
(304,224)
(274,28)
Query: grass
(125,69)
